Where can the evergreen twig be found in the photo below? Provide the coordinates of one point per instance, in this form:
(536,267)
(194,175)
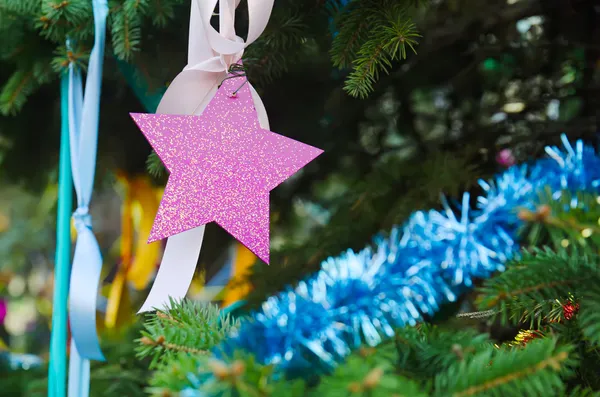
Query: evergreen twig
(372,34)
(535,369)
(187,327)
(539,276)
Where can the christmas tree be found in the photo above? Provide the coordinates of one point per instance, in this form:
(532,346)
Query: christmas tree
(492,292)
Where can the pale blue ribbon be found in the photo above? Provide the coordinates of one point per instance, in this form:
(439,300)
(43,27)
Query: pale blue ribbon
(87,261)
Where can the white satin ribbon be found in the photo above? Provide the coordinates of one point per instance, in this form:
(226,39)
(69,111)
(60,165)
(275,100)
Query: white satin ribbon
(210,54)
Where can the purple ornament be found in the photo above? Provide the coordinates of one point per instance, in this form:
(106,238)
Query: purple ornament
(506,158)
(222,167)
(3,310)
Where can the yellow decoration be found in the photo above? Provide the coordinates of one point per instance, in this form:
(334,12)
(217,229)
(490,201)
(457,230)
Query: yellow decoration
(137,260)
(240,259)
(73,231)
(146,255)
(118,284)
(4,222)
(119,309)
(526,336)
(197,284)
(242,262)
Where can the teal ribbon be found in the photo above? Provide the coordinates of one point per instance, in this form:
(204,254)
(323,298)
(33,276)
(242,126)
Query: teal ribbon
(149,99)
(57,369)
(234,309)
(87,261)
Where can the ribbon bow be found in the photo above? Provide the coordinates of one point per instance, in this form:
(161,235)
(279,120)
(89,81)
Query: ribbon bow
(211,53)
(87,261)
(82,219)
(226,47)
(210,56)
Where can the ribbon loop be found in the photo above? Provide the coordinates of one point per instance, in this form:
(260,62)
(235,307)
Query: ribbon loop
(84,112)
(227,48)
(211,53)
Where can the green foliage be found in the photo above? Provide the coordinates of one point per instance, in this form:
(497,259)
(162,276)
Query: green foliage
(178,339)
(35,33)
(589,318)
(535,370)
(155,166)
(60,20)
(14,94)
(76,53)
(241,375)
(126,28)
(581,392)
(425,351)
(21,382)
(173,376)
(372,35)
(289,37)
(572,220)
(478,369)
(185,328)
(528,290)
(281,44)
(30,227)
(123,374)
(366,374)
(475,368)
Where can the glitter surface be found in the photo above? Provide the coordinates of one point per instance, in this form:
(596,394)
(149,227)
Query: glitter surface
(222,167)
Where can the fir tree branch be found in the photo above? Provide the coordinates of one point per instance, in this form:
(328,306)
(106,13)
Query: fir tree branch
(538,366)
(126,35)
(581,392)
(155,166)
(160,341)
(553,362)
(538,277)
(16,90)
(126,28)
(238,375)
(60,19)
(352,24)
(425,351)
(387,43)
(187,327)
(163,11)
(64,56)
(589,317)
(372,34)
(281,44)
(572,220)
(366,373)
(19,7)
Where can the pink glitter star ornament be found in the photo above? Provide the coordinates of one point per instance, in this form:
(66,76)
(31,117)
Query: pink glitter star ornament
(222,166)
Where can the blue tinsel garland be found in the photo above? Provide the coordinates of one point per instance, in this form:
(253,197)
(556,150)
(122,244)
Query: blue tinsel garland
(360,298)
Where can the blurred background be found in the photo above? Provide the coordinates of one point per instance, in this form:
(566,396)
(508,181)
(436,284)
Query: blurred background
(491,83)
